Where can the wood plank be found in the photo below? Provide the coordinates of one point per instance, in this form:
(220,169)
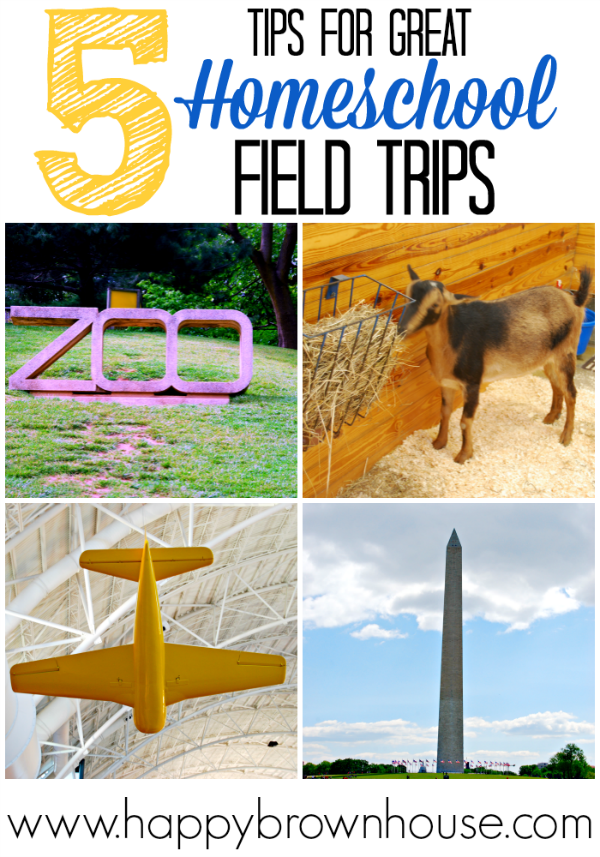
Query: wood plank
(390,265)
(585,250)
(541,267)
(586,238)
(331,240)
(452,239)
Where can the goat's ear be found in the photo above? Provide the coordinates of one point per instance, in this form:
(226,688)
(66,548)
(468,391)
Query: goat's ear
(413,276)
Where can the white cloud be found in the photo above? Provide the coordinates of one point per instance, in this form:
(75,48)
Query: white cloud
(313,747)
(370,631)
(521,563)
(547,724)
(505,754)
(397,732)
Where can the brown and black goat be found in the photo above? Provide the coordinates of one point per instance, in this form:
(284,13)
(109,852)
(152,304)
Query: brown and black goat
(472,342)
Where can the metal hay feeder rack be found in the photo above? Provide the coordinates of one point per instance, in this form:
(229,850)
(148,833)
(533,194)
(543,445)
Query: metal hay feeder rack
(342,291)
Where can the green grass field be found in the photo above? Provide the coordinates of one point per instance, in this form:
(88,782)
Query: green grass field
(431,777)
(64,448)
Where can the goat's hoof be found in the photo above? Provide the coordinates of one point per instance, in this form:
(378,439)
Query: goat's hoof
(439,443)
(551,418)
(565,438)
(463,456)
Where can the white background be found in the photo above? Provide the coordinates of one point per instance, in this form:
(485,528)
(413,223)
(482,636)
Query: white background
(547,175)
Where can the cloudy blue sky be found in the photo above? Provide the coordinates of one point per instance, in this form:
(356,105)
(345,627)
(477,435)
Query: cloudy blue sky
(373,601)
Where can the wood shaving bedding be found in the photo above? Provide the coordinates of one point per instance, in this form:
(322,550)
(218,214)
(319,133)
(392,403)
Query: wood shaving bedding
(516,455)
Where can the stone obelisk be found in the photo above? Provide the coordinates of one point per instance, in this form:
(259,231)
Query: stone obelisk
(450,731)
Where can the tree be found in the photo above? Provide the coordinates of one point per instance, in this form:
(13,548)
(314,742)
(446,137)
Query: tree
(275,273)
(569,763)
(50,259)
(355,766)
(529,771)
(251,267)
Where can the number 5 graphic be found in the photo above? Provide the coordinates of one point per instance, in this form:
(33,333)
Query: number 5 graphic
(142,115)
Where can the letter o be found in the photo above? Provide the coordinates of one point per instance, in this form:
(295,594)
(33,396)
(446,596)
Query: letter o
(544,815)
(499,103)
(462,100)
(238,103)
(421,815)
(341,15)
(303,819)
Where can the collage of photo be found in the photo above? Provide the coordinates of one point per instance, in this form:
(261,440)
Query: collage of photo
(297,500)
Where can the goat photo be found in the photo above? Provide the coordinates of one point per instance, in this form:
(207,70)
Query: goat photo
(471,342)
(401,320)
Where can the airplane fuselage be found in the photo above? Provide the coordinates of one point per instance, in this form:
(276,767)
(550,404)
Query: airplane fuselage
(149,709)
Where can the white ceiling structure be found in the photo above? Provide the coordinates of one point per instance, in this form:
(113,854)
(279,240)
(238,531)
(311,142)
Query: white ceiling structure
(246,600)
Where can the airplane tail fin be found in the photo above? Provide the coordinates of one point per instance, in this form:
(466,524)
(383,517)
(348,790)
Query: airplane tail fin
(167,562)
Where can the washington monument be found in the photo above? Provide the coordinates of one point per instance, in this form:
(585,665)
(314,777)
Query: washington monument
(450,730)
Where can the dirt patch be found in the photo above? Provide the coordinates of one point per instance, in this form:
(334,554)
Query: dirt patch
(127,444)
(88,484)
(516,455)
(128,449)
(131,446)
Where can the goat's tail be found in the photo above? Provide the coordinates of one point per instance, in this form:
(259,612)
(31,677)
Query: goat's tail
(581,295)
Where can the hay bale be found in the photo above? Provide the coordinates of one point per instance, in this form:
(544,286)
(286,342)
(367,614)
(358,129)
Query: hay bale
(346,362)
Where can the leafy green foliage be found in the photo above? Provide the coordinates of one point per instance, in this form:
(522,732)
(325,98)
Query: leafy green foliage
(356,767)
(43,259)
(178,266)
(530,771)
(568,764)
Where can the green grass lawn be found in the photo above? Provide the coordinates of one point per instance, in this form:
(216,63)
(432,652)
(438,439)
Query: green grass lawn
(65,448)
(432,777)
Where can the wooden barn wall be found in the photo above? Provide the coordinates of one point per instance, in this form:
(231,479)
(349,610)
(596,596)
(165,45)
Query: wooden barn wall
(483,259)
(585,248)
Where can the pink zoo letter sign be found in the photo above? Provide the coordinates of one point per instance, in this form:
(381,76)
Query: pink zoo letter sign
(80,320)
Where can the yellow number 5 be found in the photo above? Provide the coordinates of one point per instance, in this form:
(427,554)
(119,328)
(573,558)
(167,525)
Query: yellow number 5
(142,115)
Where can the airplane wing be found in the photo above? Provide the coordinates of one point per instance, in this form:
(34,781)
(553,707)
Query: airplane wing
(192,671)
(106,674)
(167,562)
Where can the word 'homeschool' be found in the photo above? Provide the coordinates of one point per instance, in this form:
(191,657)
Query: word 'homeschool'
(402,105)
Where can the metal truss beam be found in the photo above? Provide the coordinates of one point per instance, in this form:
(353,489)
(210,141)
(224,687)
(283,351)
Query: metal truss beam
(282,688)
(221,740)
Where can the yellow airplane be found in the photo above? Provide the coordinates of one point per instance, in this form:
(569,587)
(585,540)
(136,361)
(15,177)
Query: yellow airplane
(150,674)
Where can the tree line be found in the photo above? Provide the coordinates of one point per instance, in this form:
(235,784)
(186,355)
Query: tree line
(569,764)
(349,766)
(251,267)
